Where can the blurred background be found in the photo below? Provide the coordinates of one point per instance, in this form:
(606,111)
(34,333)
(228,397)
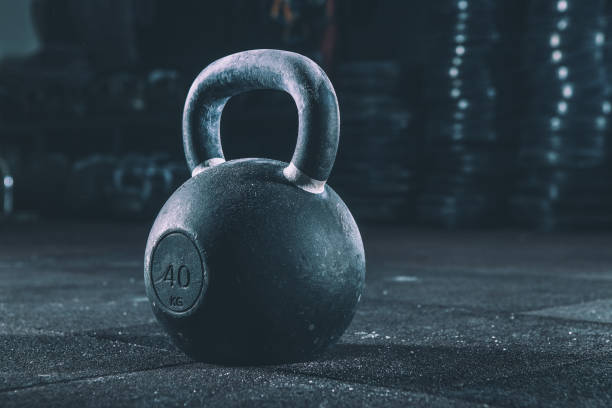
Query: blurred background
(455,113)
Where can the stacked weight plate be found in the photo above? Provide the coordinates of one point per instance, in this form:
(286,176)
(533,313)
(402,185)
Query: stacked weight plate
(466,161)
(36,96)
(374,170)
(564,155)
(132,187)
(159,91)
(90,186)
(142,183)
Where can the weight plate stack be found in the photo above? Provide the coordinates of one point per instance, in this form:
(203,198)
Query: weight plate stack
(90,186)
(165,90)
(142,183)
(159,91)
(374,170)
(117,93)
(466,160)
(564,153)
(132,187)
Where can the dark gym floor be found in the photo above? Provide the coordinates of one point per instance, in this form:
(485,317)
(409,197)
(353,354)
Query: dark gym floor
(448,319)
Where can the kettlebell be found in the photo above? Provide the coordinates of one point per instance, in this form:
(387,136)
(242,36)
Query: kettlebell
(256,260)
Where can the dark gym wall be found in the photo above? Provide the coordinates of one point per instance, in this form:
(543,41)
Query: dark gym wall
(93,90)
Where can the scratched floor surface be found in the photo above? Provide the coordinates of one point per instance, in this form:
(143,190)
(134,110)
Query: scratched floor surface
(448,319)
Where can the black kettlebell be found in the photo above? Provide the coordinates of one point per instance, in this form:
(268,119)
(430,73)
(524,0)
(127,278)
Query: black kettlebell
(256,260)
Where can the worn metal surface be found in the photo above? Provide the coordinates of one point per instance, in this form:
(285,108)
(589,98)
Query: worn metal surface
(293,73)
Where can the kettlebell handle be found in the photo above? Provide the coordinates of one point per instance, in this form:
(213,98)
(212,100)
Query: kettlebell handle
(304,80)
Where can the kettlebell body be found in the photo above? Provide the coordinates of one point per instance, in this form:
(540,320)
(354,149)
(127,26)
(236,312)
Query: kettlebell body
(253,260)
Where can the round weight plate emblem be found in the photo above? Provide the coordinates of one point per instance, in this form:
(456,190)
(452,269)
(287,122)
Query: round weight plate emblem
(177,272)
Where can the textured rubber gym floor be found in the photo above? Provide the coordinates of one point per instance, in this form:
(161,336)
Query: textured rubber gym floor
(448,319)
